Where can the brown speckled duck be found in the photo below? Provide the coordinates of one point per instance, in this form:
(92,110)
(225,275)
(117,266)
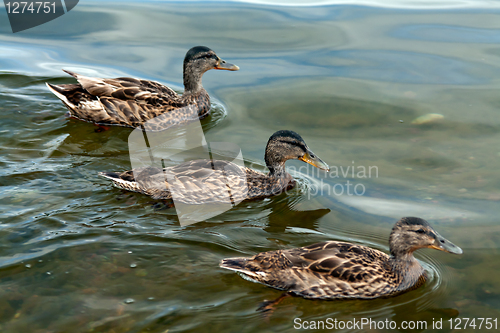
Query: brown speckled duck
(205,181)
(339,270)
(131,102)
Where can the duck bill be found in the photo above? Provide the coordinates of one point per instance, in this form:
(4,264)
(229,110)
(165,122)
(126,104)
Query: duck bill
(226,66)
(445,245)
(314,160)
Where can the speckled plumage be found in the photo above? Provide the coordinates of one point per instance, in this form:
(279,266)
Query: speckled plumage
(339,270)
(132,102)
(206,181)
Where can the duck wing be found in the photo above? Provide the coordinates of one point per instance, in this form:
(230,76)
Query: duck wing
(327,270)
(262,186)
(194,182)
(123,87)
(124,102)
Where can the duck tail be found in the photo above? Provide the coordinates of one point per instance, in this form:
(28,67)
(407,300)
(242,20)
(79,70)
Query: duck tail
(61,92)
(234,264)
(110,175)
(244,267)
(119,181)
(71,95)
(73,74)
(123,181)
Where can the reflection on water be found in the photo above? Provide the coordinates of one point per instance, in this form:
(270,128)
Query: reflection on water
(78,255)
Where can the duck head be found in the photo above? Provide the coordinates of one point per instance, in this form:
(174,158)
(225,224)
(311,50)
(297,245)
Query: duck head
(197,61)
(413,233)
(286,145)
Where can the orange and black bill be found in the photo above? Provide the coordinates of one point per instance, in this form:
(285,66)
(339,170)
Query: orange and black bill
(314,160)
(445,245)
(222,64)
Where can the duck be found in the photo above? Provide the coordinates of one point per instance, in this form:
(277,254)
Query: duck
(131,102)
(334,270)
(208,181)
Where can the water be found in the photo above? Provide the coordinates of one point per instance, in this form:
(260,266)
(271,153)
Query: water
(77,255)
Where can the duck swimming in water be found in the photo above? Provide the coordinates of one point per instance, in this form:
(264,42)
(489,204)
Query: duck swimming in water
(208,181)
(339,270)
(132,102)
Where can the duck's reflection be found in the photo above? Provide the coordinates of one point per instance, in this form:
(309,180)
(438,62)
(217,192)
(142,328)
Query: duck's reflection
(286,214)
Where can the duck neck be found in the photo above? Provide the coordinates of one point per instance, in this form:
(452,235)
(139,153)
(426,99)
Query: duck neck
(408,270)
(192,80)
(277,170)
(275,160)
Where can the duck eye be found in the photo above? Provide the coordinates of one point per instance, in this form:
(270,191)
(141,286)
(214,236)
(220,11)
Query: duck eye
(205,56)
(420,231)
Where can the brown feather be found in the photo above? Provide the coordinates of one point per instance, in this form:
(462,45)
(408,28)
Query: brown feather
(133,102)
(200,182)
(211,181)
(339,270)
